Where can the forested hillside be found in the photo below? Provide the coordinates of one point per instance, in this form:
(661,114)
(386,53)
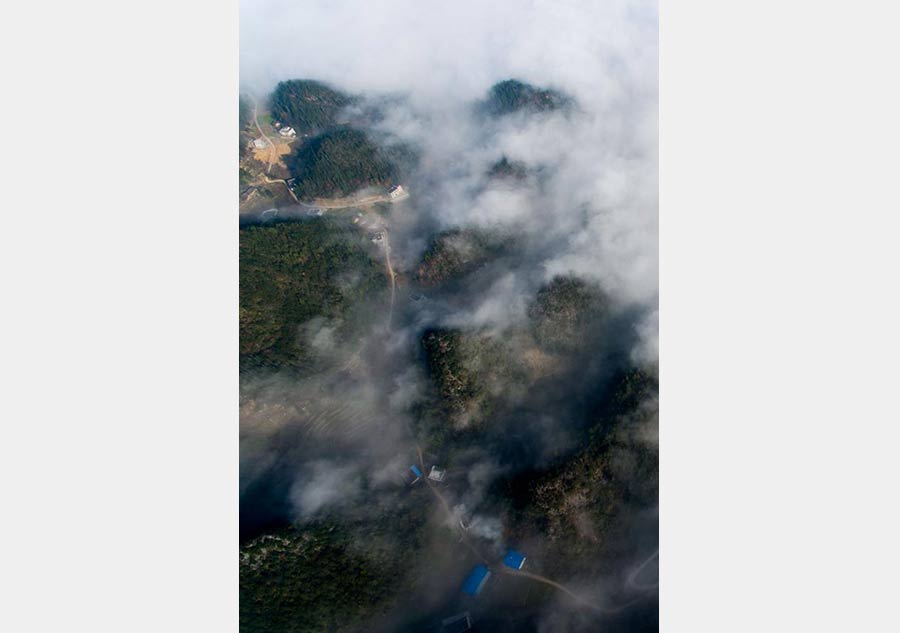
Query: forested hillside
(326,577)
(566,313)
(306,105)
(455,253)
(291,272)
(511,96)
(340,162)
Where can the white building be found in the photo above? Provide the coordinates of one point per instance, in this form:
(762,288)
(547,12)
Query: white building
(287,132)
(436,474)
(260,143)
(397,192)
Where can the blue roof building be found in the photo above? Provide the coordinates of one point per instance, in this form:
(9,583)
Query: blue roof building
(514,559)
(416,471)
(476,580)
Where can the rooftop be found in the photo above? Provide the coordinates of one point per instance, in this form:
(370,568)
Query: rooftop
(457,624)
(476,580)
(514,559)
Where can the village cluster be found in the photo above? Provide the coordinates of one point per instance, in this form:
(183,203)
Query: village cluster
(480,574)
(285,132)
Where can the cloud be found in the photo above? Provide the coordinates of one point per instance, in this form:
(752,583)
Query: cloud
(325,483)
(587,207)
(594,213)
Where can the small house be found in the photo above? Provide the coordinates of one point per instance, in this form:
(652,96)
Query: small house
(457,624)
(514,559)
(397,192)
(436,474)
(411,475)
(260,143)
(476,580)
(287,132)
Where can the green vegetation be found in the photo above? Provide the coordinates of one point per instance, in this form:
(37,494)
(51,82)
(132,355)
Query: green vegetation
(577,501)
(567,313)
(456,385)
(473,375)
(245,115)
(307,106)
(340,162)
(505,169)
(511,96)
(245,112)
(455,253)
(326,576)
(291,272)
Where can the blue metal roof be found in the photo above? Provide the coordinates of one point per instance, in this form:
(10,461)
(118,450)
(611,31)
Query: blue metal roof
(416,470)
(476,580)
(514,559)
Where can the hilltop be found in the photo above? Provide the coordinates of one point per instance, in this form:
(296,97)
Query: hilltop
(512,95)
(291,272)
(342,161)
(306,105)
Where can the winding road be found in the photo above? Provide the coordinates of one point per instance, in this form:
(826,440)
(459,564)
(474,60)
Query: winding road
(632,582)
(268,140)
(450,514)
(537,577)
(390,269)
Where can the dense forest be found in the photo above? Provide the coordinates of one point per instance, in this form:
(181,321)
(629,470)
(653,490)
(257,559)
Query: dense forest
(451,366)
(617,469)
(552,375)
(567,312)
(306,105)
(245,112)
(474,374)
(327,576)
(245,116)
(340,162)
(293,271)
(511,96)
(454,253)
(505,169)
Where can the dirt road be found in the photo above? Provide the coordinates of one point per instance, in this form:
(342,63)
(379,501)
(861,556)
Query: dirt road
(263,134)
(450,513)
(390,269)
(553,583)
(632,581)
(268,180)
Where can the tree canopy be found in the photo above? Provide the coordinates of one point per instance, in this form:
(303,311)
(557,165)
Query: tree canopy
(512,95)
(307,105)
(339,162)
(455,253)
(317,578)
(566,312)
(291,272)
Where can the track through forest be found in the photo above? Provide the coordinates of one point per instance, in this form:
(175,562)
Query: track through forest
(390,269)
(263,134)
(536,577)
